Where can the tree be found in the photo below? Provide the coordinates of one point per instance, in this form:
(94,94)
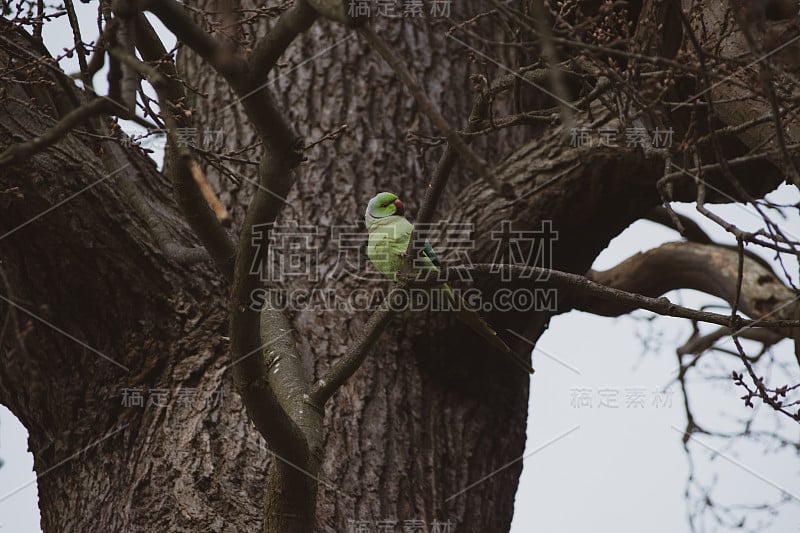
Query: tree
(126,283)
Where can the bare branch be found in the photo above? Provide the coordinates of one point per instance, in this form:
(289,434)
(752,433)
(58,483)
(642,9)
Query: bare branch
(174,17)
(80,50)
(152,49)
(698,344)
(292,486)
(690,230)
(97,60)
(346,366)
(608,300)
(77,116)
(251,370)
(193,204)
(551,56)
(708,268)
(270,47)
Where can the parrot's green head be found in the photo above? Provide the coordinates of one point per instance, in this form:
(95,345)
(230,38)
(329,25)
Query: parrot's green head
(384,204)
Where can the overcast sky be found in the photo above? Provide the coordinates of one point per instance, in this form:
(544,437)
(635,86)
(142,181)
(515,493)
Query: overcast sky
(588,466)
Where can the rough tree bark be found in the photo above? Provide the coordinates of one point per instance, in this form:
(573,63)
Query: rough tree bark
(428,413)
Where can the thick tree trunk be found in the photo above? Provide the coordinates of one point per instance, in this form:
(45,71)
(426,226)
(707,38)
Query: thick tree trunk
(100,313)
(430,412)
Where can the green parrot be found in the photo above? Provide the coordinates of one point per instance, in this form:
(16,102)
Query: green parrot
(389,237)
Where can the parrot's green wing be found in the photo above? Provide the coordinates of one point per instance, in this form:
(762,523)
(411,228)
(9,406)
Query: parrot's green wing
(428,251)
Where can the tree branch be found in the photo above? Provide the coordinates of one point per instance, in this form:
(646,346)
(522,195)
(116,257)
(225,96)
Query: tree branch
(193,204)
(267,370)
(690,230)
(606,300)
(708,268)
(291,488)
(80,50)
(251,367)
(152,50)
(551,56)
(97,60)
(621,290)
(346,366)
(270,47)
(77,116)
(698,344)
(175,18)
(124,39)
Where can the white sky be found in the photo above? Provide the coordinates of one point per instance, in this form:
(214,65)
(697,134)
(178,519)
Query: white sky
(625,469)
(585,468)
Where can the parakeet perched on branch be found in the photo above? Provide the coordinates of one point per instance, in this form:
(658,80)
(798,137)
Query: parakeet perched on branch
(389,237)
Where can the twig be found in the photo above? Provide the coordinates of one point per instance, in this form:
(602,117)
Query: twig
(333,134)
(687,227)
(80,50)
(551,56)
(700,343)
(77,116)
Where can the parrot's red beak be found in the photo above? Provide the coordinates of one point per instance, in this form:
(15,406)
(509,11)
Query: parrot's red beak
(399,209)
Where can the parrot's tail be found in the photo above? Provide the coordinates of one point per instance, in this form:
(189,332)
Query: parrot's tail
(481,327)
